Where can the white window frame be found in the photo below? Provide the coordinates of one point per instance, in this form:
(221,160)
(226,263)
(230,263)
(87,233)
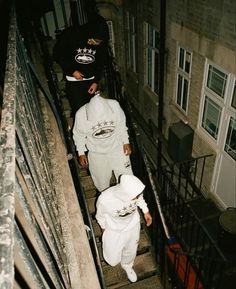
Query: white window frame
(230,141)
(223,100)
(131,35)
(183,74)
(151,56)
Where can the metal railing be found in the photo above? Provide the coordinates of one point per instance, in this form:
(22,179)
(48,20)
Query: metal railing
(22,169)
(189,257)
(34,219)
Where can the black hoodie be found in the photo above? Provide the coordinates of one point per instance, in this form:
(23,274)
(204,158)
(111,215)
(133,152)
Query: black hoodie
(73,52)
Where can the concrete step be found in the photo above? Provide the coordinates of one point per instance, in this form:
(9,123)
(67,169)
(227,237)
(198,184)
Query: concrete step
(83,171)
(143,247)
(152,282)
(144,266)
(87,183)
(92,205)
(93,193)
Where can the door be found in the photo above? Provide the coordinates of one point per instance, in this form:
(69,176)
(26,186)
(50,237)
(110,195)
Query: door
(226,175)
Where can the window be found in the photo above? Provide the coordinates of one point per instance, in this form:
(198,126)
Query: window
(152,57)
(230,144)
(131,26)
(111,36)
(211,117)
(219,102)
(183,77)
(233,104)
(216,81)
(214,99)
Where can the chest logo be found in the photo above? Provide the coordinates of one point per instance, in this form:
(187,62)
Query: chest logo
(103,129)
(85,56)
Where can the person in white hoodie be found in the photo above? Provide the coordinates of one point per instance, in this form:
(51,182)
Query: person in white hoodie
(100,128)
(118,216)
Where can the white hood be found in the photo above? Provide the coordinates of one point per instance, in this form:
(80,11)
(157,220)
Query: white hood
(129,188)
(98,108)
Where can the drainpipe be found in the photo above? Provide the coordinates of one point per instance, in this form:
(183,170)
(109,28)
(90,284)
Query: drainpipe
(161,74)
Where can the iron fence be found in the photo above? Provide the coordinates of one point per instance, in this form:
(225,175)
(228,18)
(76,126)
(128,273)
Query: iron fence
(37,246)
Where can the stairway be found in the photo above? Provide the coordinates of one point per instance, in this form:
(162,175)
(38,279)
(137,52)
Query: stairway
(115,277)
(145,265)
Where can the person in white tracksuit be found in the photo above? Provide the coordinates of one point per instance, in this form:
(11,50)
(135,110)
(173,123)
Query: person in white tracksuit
(100,128)
(118,216)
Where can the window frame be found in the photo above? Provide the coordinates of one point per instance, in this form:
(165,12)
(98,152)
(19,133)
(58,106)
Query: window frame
(225,102)
(111,36)
(182,96)
(151,57)
(131,41)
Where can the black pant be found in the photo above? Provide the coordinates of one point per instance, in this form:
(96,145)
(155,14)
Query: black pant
(77,94)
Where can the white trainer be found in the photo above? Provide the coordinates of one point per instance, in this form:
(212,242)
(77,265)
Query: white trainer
(132,276)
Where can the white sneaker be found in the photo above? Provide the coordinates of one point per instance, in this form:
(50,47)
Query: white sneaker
(132,276)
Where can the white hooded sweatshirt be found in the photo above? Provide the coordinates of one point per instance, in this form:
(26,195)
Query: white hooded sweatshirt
(100,126)
(117,207)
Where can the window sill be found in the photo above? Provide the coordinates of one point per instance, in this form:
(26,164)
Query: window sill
(153,96)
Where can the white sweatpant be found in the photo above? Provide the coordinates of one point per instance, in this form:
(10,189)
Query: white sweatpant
(102,165)
(120,247)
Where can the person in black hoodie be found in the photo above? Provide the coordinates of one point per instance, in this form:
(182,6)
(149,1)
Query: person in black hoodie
(81,52)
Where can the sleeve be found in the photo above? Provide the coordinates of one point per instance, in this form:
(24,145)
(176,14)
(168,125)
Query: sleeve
(122,129)
(79,135)
(62,52)
(102,51)
(100,213)
(100,62)
(142,204)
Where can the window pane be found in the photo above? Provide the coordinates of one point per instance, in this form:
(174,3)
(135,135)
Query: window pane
(187,62)
(156,72)
(230,145)
(133,56)
(179,91)
(156,40)
(234,97)
(133,25)
(150,36)
(181,58)
(216,81)
(185,95)
(149,67)
(211,117)
(127,15)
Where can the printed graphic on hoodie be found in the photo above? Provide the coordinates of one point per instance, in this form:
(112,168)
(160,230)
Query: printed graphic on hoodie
(127,210)
(103,129)
(85,56)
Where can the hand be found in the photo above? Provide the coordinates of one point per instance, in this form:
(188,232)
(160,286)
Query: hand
(78,75)
(148,219)
(127,149)
(93,88)
(93,41)
(83,160)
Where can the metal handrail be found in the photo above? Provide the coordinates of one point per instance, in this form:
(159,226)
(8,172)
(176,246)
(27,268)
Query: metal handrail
(72,159)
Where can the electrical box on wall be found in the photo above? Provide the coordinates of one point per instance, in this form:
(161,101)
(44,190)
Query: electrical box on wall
(180,141)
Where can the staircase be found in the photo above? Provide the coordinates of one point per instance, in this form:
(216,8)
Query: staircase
(144,266)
